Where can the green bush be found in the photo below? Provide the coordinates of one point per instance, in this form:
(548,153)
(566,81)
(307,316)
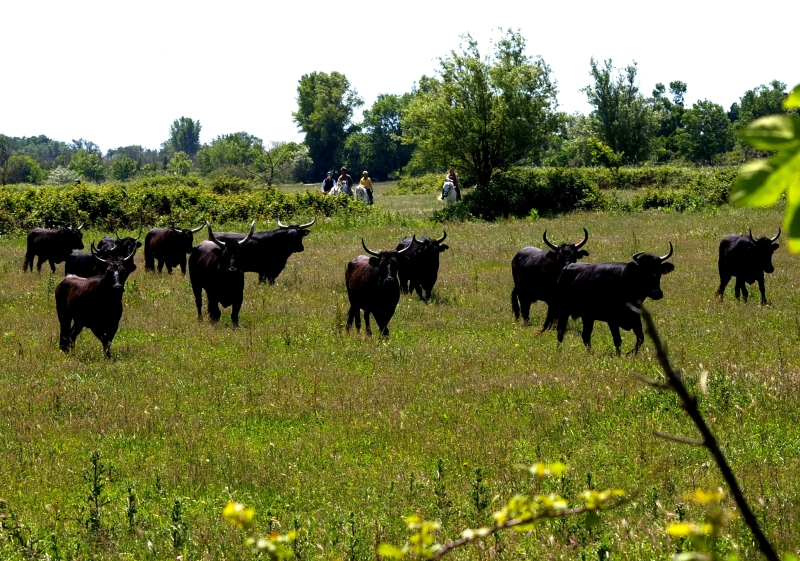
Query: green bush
(159,201)
(428,184)
(706,191)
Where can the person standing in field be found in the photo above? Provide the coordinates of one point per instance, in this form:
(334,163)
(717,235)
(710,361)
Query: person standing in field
(345,181)
(366,182)
(328,183)
(452,177)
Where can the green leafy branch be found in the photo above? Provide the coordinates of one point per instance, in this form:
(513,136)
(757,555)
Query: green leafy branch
(520,514)
(763,182)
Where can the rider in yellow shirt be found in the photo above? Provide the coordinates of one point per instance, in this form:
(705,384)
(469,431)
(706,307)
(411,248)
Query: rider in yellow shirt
(366,182)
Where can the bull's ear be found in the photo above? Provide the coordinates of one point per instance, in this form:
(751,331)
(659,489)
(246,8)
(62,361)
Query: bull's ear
(138,244)
(443,246)
(583,253)
(374,261)
(305,232)
(775,246)
(667,268)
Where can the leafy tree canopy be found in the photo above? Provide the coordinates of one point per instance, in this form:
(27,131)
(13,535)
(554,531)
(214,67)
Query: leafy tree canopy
(180,164)
(761,101)
(88,165)
(483,114)
(325,104)
(184,136)
(707,132)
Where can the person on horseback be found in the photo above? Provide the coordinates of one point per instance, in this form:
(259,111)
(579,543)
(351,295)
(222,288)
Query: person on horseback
(452,177)
(345,181)
(366,182)
(328,183)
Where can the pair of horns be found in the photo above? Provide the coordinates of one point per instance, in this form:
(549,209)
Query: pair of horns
(211,237)
(301,226)
(577,246)
(109,261)
(399,251)
(772,240)
(192,230)
(636,256)
(139,235)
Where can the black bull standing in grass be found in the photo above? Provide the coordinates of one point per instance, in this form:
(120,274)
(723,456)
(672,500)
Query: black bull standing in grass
(372,286)
(603,292)
(53,246)
(419,270)
(268,252)
(85,265)
(168,246)
(747,259)
(536,272)
(214,266)
(94,302)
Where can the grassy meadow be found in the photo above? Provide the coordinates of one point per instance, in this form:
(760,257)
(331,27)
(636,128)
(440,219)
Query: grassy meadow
(339,436)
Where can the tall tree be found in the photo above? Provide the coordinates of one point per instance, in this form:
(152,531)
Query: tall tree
(184,136)
(483,114)
(89,166)
(621,118)
(707,132)
(760,102)
(5,155)
(325,104)
(669,113)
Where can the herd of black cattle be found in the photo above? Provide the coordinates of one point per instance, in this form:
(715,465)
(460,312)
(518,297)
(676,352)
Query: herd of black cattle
(90,295)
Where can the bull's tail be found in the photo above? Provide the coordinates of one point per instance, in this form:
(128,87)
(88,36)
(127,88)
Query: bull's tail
(552,318)
(515,303)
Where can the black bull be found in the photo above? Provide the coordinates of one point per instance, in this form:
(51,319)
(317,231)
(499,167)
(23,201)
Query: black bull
(213,267)
(372,286)
(85,265)
(604,291)
(535,273)
(53,246)
(419,269)
(168,246)
(94,302)
(267,252)
(747,259)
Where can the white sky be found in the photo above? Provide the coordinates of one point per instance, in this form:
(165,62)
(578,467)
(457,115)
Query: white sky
(118,73)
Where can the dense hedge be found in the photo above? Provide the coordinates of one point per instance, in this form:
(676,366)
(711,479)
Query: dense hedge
(158,202)
(520,191)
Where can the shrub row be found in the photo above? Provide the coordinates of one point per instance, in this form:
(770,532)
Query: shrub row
(158,202)
(428,184)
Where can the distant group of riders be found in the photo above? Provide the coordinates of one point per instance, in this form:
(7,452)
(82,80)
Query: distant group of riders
(451,190)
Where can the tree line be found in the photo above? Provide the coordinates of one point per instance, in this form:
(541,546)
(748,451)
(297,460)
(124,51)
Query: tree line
(478,113)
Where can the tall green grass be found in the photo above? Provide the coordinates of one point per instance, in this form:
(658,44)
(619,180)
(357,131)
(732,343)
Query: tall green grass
(339,435)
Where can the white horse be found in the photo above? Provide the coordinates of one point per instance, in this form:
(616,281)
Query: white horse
(335,190)
(363,195)
(449,195)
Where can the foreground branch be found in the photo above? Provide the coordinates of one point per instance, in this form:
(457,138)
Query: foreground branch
(675,384)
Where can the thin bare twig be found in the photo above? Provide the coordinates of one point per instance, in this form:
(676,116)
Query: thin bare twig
(675,384)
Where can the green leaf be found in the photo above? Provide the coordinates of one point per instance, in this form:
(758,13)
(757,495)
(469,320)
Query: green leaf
(774,132)
(390,551)
(793,100)
(762,183)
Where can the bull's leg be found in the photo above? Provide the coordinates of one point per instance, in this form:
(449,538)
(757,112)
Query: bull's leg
(637,330)
(724,279)
(64,341)
(562,327)
(384,331)
(39,264)
(214,313)
(52,265)
(586,334)
(525,309)
(762,290)
(271,280)
(615,335)
(745,293)
(109,336)
(198,299)
(183,264)
(367,327)
(76,330)
(515,303)
(418,289)
(353,315)
(161,266)
(235,307)
(28,262)
(403,284)
(262,277)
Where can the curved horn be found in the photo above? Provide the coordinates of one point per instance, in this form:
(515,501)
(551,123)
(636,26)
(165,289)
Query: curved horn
(211,237)
(751,234)
(249,234)
(195,230)
(139,235)
(281,225)
(91,248)
(309,224)
(368,250)
(637,255)
(440,240)
(79,227)
(132,254)
(585,239)
(550,245)
(668,255)
(413,241)
(116,234)
(778,235)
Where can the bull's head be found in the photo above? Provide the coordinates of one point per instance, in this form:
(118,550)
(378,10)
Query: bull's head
(650,269)
(231,249)
(566,253)
(386,262)
(74,235)
(187,236)
(763,249)
(296,234)
(115,268)
(427,246)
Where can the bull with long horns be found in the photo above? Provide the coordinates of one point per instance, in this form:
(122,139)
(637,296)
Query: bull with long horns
(747,259)
(419,270)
